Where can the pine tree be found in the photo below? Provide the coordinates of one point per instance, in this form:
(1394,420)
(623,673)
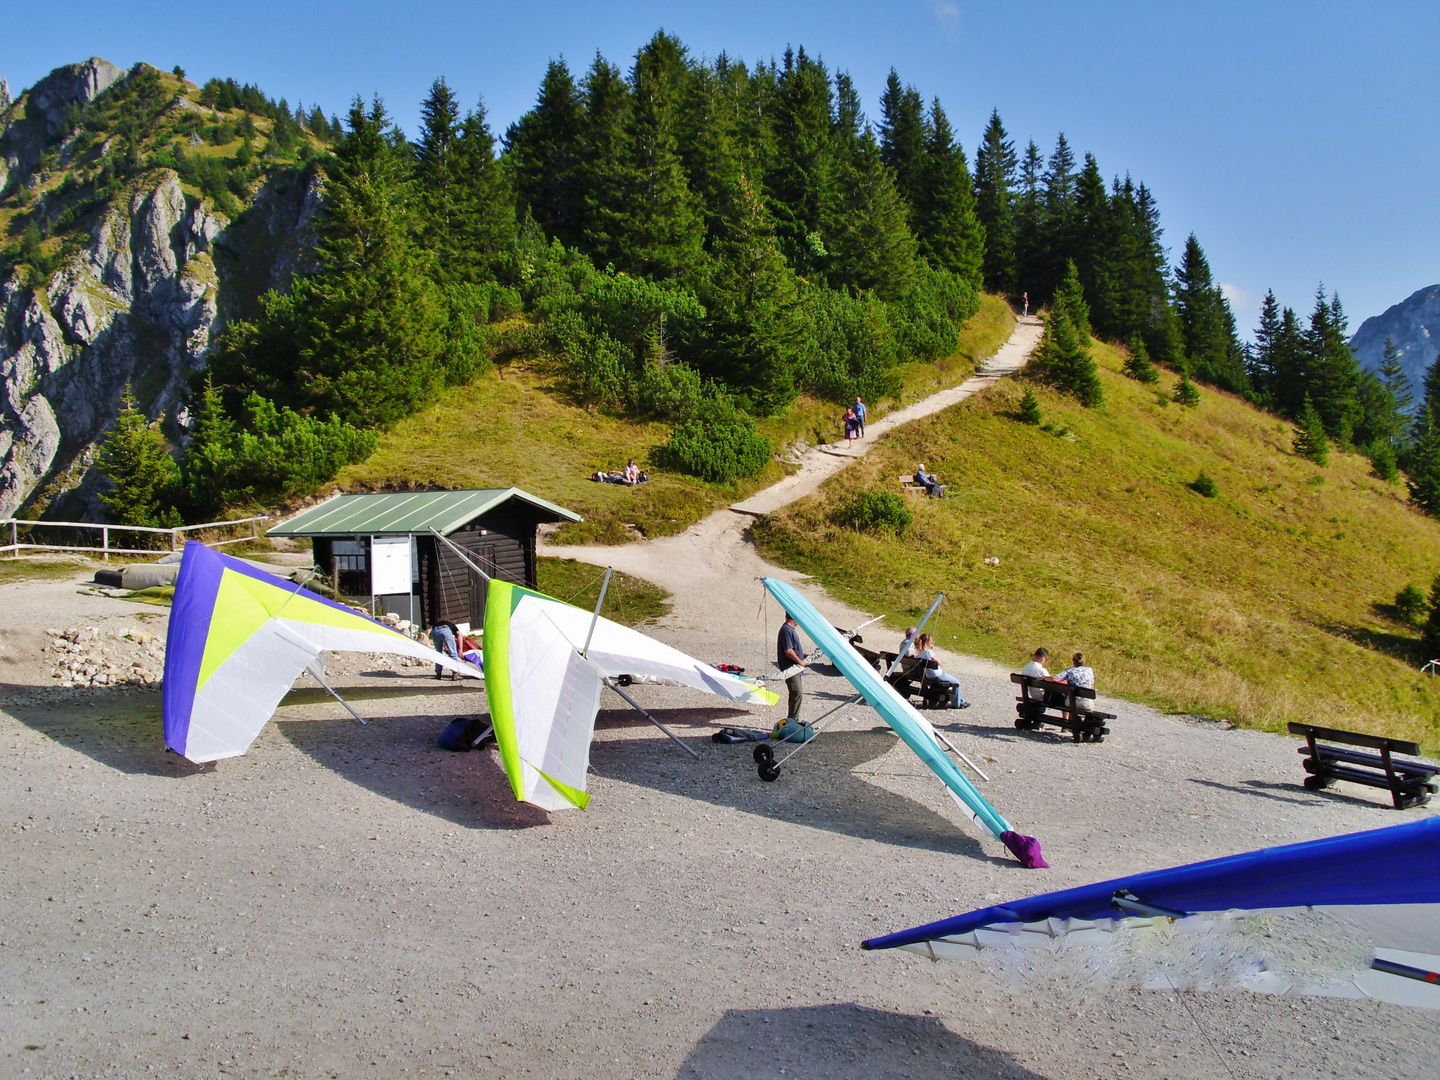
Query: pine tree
(542,150)
(134,458)
(1096,242)
(1186,392)
(872,247)
(1397,383)
(1206,323)
(994,179)
(1030,253)
(1430,642)
(1029,409)
(801,182)
(209,457)
(1423,463)
(1334,377)
(1063,359)
(1138,365)
(1057,225)
(1070,298)
(1310,439)
(945,223)
(903,138)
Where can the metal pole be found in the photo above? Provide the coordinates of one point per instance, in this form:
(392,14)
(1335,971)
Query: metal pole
(636,706)
(815,726)
(461,552)
(105,544)
(337,697)
(905,644)
(603,586)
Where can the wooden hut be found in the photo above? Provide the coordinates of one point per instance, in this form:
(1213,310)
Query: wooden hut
(381,548)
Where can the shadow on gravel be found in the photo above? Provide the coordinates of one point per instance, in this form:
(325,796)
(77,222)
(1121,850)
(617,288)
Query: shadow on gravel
(115,726)
(1294,793)
(396,757)
(818,789)
(842,1042)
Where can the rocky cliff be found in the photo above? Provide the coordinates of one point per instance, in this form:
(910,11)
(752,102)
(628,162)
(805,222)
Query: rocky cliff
(138,302)
(1413,324)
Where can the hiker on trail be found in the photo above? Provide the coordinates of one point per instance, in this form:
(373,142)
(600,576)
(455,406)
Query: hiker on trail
(1077,674)
(852,422)
(927,652)
(790,659)
(860,413)
(928,482)
(444,635)
(1027,305)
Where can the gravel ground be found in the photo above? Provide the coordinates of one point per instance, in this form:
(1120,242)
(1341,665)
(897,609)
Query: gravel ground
(348,901)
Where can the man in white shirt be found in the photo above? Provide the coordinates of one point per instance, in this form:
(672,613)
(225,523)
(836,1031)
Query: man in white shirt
(1036,669)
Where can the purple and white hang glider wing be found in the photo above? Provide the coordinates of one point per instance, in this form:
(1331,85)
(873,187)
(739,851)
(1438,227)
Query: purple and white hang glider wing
(1348,916)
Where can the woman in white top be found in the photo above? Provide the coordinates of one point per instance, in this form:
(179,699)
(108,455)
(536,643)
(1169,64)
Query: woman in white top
(927,652)
(1077,674)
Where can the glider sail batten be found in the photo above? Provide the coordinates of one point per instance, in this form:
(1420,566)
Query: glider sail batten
(914,729)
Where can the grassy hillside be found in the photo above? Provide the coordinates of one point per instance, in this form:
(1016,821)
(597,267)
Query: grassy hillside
(1264,604)
(515,426)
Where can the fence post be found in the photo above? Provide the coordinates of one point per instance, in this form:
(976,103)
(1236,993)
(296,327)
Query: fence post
(105,543)
(15,537)
(173,534)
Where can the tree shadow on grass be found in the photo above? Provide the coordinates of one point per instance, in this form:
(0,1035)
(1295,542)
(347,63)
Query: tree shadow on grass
(818,789)
(1403,647)
(843,1041)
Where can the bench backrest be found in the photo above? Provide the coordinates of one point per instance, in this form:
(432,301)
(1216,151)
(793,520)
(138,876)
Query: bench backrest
(1354,738)
(1059,688)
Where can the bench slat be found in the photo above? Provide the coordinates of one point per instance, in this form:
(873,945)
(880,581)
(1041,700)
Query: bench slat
(1372,779)
(1335,753)
(1354,738)
(1059,688)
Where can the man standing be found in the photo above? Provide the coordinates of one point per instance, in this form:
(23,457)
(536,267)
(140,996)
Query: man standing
(790,659)
(860,415)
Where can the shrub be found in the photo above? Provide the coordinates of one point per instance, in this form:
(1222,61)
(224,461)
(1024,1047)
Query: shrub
(1204,485)
(718,444)
(875,511)
(1029,409)
(1138,365)
(1382,460)
(1410,605)
(1186,392)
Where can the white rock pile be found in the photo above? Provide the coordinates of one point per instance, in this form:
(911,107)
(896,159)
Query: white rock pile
(115,656)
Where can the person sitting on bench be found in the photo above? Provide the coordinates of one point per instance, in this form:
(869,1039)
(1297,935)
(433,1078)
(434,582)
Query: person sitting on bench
(1077,674)
(907,645)
(926,651)
(1036,669)
(927,481)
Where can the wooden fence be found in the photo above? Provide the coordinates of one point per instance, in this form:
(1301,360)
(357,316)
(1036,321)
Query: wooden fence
(105,549)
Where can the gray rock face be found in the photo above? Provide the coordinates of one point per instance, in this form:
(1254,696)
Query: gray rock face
(73,84)
(1414,324)
(140,304)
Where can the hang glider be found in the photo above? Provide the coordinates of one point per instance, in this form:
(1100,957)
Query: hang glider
(914,729)
(546,663)
(1348,916)
(239,638)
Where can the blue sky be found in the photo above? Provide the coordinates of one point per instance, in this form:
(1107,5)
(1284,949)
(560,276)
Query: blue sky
(1299,141)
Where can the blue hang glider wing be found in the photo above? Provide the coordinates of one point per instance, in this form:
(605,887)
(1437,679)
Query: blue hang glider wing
(1366,904)
(913,728)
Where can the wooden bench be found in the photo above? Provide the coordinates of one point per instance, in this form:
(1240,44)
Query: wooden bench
(911,678)
(1059,706)
(911,485)
(1410,783)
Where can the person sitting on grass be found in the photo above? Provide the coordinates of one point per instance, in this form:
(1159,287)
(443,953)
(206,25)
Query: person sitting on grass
(937,674)
(632,473)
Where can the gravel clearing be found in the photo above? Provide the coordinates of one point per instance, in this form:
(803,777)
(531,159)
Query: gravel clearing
(349,901)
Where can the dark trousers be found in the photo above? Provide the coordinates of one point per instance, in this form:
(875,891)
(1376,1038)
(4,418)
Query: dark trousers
(796,685)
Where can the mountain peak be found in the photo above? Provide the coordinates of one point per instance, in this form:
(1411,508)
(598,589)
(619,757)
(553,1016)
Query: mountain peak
(1414,326)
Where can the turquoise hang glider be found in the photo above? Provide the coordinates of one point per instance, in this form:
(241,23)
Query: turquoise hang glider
(913,729)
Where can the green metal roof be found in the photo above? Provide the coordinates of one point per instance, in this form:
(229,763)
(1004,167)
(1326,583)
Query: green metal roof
(396,513)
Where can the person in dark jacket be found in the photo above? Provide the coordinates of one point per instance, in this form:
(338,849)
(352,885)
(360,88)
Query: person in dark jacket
(790,659)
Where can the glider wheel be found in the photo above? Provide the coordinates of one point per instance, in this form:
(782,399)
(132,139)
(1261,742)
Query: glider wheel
(763,755)
(768,772)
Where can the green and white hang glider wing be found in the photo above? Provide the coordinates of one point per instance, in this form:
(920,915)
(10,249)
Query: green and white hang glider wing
(544,686)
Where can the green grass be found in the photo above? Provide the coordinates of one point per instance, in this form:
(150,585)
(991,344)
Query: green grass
(513,426)
(628,600)
(1264,604)
(41,569)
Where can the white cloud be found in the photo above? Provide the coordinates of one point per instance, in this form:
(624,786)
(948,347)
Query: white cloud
(1241,299)
(948,16)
